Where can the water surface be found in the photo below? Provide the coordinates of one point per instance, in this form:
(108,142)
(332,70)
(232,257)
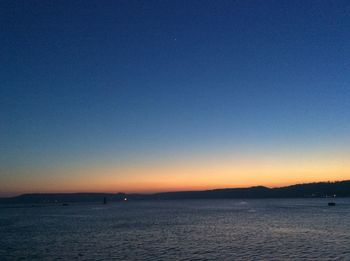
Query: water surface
(280,229)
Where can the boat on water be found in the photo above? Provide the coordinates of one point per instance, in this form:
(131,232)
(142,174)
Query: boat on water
(332,204)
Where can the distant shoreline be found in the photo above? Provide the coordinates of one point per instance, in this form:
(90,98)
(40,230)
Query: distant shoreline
(308,190)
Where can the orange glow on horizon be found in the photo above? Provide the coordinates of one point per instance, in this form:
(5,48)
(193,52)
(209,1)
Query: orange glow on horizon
(194,174)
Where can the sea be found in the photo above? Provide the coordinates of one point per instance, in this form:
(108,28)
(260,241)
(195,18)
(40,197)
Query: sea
(221,229)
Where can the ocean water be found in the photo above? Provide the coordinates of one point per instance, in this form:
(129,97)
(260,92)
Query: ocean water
(279,229)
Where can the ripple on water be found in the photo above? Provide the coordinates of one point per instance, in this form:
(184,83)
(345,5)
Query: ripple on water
(179,230)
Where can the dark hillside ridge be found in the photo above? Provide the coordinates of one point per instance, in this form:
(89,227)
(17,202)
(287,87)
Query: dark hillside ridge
(321,189)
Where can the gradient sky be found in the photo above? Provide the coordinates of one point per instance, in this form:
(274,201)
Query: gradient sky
(144,96)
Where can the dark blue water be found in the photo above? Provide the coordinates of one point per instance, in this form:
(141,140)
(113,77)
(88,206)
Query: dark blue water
(293,229)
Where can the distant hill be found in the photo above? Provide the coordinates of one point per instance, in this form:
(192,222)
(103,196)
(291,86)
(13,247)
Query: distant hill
(321,189)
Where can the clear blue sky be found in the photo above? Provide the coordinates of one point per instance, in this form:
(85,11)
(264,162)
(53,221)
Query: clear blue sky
(96,81)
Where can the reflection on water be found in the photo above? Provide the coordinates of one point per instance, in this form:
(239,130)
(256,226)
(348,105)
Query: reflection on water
(179,230)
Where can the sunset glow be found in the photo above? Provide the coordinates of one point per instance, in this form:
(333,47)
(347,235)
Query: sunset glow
(186,174)
(131,97)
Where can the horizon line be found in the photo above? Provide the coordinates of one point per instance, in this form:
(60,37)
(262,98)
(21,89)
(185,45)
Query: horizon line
(153,193)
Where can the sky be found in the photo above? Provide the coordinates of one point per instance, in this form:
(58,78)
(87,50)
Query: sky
(147,96)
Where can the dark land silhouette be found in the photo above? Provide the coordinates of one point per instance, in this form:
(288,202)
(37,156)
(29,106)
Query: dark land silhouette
(317,190)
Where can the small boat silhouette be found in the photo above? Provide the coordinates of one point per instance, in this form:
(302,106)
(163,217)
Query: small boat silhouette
(332,204)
